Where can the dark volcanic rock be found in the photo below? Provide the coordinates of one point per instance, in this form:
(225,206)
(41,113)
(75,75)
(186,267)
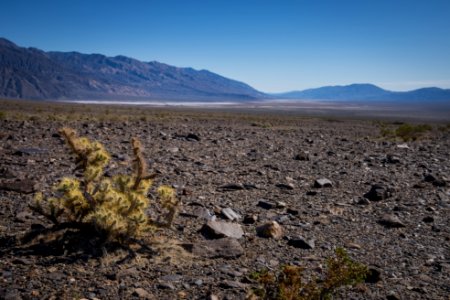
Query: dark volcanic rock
(24,186)
(7,173)
(250,219)
(391,221)
(266,204)
(232,187)
(285,186)
(392,159)
(301,242)
(373,275)
(434,180)
(378,192)
(302,156)
(30,151)
(193,137)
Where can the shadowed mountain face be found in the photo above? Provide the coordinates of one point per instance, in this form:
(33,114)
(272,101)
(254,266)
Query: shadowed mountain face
(367,92)
(35,74)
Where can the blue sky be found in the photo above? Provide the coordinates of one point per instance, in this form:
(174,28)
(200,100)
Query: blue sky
(272,45)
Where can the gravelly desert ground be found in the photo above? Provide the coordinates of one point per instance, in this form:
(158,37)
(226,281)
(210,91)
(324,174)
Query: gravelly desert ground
(263,168)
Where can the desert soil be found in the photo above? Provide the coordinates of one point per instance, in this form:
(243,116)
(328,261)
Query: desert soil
(262,168)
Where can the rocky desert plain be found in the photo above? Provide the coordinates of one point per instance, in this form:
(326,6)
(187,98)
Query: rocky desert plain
(329,182)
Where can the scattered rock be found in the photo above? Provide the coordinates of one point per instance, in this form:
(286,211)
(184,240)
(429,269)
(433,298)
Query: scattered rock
(30,151)
(285,186)
(166,285)
(282,218)
(392,159)
(192,137)
(293,211)
(221,248)
(197,212)
(143,294)
(173,150)
(12,294)
(403,146)
(353,246)
(23,186)
(428,219)
(373,275)
(7,173)
(393,296)
(434,180)
(24,216)
(172,277)
(363,201)
(391,221)
(281,204)
(126,273)
(323,182)
(217,229)
(22,261)
(231,214)
(231,284)
(413,258)
(301,242)
(270,230)
(302,156)
(378,192)
(250,219)
(266,204)
(232,187)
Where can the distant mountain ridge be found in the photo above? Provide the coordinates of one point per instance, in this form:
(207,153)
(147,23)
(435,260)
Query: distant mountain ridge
(34,74)
(31,73)
(366,92)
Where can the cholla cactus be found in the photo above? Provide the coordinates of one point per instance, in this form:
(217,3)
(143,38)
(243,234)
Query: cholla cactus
(170,202)
(115,206)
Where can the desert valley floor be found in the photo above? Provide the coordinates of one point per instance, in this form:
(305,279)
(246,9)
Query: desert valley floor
(386,201)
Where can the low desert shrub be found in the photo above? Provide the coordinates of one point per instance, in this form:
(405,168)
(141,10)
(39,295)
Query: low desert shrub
(2,115)
(288,283)
(114,207)
(404,131)
(409,132)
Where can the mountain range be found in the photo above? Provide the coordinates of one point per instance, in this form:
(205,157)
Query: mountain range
(367,92)
(30,73)
(34,74)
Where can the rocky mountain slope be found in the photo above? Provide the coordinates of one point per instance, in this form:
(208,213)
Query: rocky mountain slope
(35,74)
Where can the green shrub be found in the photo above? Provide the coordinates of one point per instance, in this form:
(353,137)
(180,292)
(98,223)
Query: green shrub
(114,207)
(408,132)
(288,284)
(2,115)
(404,131)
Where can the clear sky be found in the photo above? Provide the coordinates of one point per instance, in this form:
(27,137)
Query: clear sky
(272,45)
